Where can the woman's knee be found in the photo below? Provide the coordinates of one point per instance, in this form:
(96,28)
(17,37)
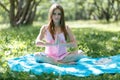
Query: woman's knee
(42,57)
(38,56)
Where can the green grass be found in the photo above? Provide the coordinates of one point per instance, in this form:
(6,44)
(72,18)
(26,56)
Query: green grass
(95,38)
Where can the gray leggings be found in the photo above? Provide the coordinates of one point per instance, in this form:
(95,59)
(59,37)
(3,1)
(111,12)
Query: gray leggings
(72,57)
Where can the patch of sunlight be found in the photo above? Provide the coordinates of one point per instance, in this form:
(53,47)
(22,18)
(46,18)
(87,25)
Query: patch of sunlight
(36,23)
(4,26)
(113,28)
(95,25)
(1,69)
(114,38)
(17,45)
(109,46)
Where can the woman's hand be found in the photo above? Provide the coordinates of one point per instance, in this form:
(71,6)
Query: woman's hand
(57,41)
(68,44)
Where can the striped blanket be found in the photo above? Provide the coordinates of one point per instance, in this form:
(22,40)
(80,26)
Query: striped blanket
(85,66)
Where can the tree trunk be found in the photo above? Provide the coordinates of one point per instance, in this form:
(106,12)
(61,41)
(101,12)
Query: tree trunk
(12,13)
(117,13)
(21,12)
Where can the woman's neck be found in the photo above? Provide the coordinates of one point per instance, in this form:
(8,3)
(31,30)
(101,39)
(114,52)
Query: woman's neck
(57,25)
(58,29)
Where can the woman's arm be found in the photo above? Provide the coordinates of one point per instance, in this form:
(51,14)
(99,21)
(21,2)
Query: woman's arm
(72,42)
(39,40)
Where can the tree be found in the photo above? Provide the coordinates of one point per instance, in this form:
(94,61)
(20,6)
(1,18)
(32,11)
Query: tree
(107,9)
(21,11)
(116,9)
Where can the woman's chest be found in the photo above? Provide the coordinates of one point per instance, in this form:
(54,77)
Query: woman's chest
(59,36)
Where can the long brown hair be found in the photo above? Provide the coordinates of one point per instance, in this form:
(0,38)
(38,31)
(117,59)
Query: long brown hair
(51,26)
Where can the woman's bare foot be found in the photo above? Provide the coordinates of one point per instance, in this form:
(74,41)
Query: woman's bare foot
(80,52)
(59,62)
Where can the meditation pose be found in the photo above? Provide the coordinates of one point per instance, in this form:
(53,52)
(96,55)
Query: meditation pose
(56,37)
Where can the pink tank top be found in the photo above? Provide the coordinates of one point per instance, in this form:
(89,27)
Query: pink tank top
(57,52)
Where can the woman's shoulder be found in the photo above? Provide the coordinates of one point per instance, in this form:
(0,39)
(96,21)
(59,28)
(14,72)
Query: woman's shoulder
(44,27)
(67,27)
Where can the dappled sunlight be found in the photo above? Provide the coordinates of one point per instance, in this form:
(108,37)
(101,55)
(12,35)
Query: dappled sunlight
(94,40)
(97,43)
(4,26)
(18,41)
(113,27)
(94,23)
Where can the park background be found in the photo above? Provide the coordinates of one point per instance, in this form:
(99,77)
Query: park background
(95,23)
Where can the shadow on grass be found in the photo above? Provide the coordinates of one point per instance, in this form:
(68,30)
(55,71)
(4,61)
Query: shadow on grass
(21,40)
(97,43)
(94,42)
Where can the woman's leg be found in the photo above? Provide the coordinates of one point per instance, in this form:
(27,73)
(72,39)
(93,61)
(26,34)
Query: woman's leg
(73,56)
(42,57)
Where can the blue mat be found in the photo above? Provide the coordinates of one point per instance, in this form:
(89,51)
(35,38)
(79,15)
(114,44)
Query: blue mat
(85,66)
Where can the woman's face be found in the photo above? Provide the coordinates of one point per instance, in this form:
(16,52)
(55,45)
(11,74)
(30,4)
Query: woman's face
(56,16)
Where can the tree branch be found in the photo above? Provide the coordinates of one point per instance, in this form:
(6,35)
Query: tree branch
(3,6)
(25,11)
(37,3)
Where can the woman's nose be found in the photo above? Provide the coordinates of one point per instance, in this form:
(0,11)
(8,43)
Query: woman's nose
(56,16)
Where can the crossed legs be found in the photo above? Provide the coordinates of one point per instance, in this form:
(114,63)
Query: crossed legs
(42,57)
(71,57)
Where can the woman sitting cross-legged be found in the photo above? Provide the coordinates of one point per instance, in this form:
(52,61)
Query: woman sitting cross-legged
(54,36)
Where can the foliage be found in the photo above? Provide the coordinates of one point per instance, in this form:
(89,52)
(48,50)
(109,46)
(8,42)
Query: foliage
(74,10)
(15,42)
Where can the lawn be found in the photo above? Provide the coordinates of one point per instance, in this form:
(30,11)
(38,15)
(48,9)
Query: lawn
(96,39)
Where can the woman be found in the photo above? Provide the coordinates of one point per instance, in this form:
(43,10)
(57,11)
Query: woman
(56,36)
